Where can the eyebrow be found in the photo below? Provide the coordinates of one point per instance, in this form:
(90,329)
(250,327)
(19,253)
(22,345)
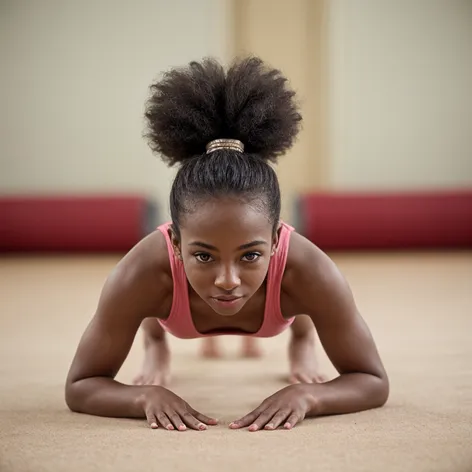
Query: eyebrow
(240,248)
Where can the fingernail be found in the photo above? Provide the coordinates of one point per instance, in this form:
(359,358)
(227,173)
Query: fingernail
(253,427)
(270,426)
(233,425)
(170,427)
(287,426)
(153,425)
(201,426)
(182,427)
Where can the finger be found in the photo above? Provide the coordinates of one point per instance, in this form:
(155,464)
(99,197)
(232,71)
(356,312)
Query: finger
(164,421)
(203,418)
(246,420)
(192,422)
(152,420)
(176,420)
(277,419)
(262,419)
(250,417)
(293,419)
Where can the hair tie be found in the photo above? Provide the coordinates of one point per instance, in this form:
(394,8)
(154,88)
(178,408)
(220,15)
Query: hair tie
(233,144)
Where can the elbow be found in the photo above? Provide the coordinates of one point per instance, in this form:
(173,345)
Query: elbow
(382,388)
(73,398)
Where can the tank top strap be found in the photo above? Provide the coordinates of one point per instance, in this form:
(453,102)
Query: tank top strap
(180,315)
(273,317)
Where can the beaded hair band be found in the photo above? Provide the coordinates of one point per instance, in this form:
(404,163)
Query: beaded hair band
(233,144)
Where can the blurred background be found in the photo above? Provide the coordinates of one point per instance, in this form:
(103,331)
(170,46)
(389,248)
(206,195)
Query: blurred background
(385,90)
(383,164)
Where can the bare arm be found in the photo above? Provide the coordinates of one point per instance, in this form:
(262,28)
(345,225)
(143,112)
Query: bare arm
(135,290)
(313,286)
(139,287)
(319,290)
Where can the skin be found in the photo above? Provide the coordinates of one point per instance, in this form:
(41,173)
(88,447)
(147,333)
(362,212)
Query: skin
(313,291)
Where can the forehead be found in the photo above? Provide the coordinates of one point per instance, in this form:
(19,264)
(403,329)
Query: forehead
(226,222)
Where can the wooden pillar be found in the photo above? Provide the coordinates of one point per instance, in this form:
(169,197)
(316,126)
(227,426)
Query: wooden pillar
(290,36)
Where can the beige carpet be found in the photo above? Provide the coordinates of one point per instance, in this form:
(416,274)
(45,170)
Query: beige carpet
(419,307)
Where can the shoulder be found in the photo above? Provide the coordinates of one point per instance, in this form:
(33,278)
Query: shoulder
(311,276)
(143,277)
(306,260)
(149,259)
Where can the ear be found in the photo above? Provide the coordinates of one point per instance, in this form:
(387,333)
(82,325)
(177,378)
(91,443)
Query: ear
(175,242)
(275,240)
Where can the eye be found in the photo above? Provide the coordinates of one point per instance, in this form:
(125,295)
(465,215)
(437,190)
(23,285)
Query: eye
(251,256)
(203,257)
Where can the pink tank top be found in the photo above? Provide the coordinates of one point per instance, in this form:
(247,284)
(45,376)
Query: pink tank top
(180,323)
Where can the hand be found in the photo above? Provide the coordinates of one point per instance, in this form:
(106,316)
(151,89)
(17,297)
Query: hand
(287,406)
(165,408)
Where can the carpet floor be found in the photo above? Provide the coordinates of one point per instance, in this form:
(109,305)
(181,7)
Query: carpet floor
(418,306)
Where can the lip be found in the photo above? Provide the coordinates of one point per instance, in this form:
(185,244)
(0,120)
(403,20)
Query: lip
(227,300)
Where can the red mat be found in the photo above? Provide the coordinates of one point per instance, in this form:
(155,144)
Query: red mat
(388,220)
(74,223)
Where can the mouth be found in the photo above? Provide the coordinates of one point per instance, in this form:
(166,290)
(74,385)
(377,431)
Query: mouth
(227,300)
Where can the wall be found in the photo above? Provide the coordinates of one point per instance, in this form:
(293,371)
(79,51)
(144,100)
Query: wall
(400,93)
(74,80)
(384,88)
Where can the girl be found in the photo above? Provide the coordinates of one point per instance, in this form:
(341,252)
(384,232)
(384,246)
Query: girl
(226,264)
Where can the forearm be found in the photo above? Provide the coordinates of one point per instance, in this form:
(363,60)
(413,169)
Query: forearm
(349,393)
(102,396)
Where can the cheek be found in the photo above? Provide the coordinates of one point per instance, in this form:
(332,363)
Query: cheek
(255,276)
(196,275)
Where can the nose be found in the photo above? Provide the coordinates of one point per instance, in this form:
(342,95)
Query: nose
(227,279)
